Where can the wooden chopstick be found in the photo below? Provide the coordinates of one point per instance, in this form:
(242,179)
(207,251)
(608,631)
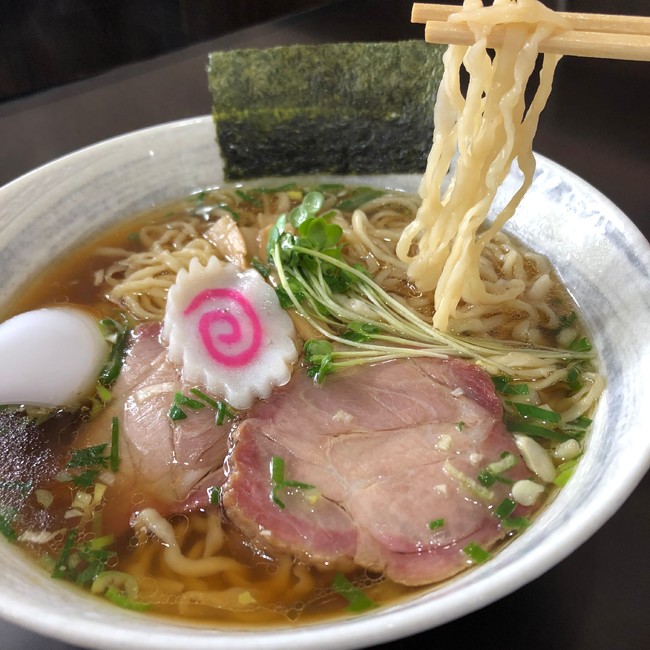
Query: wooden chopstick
(593,35)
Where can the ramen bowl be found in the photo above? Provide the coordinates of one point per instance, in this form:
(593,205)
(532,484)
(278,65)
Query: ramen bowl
(599,254)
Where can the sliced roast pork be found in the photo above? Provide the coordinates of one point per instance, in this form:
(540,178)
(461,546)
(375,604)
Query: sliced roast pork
(162,461)
(357,470)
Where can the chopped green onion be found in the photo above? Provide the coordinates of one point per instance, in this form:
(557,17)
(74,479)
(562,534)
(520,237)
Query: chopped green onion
(506,461)
(115,445)
(214,495)
(229,210)
(277,469)
(89,457)
(248,198)
(86,478)
(582,422)
(505,509)
(182,400)
(205,398)
(358,197)
(61,568)
(176,413)
(436,523)
(504,385)
(580,345)
(113,331)
(476,553)
(486,478)
(121,600)
(475,487)
(567,320)
(100,543)
(573,379)
(261,268)
(103,393)
(515,522)
(279,482)
(565,472)
(358,601)
(221,407)
(224,412)
(7,515)
(535,430)
(536,412)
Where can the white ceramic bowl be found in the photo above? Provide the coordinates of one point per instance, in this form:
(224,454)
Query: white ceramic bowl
(599,253)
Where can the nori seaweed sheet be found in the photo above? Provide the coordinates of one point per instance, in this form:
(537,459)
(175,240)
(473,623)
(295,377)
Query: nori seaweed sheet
(345,108)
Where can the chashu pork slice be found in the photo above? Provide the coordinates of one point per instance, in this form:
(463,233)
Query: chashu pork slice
(164,464)
(388,449)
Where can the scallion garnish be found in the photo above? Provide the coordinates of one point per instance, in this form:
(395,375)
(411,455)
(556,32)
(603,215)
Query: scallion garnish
(536,412)
(580,345)
(224,412)
(434,524)
(116,334)
(115,445)
(476,553)
(358,197)
(278,481)
(261,268)
(535,430)
(515,522)
(505,508)
(182,400)
(89,457)
(230,211)
(565,472)
(573,379)
(61,568)
(214,495)
(103,393)
(504,385)
(248,198)
(358,601)
(176,413)
(118,598)
(567,320)
(583,422)
(86,478)
(486,478)
(7,515)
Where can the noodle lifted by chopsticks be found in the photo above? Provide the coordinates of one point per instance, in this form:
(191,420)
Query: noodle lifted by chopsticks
(489,130)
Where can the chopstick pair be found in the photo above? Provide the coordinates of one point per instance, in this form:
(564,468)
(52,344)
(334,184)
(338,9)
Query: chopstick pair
(593,35)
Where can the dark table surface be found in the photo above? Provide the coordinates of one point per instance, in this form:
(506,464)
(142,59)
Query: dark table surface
(597,124)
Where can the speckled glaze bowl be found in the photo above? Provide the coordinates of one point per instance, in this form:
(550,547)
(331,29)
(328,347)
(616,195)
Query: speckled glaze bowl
(599,253)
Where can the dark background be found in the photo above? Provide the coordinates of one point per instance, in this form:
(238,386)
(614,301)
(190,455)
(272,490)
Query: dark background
(44,43)
(73,72)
